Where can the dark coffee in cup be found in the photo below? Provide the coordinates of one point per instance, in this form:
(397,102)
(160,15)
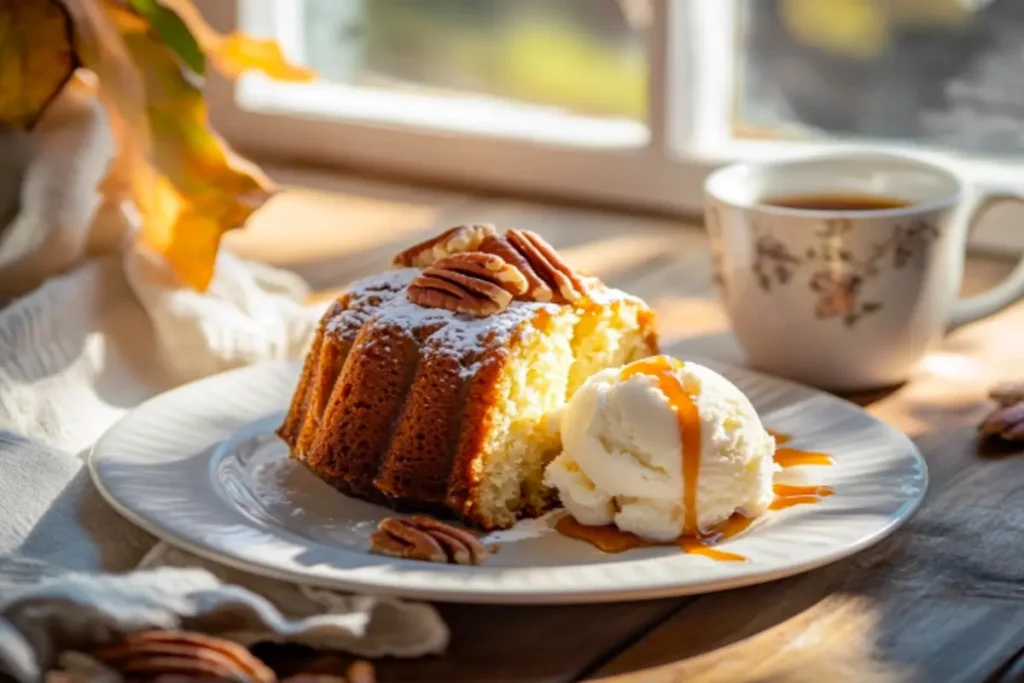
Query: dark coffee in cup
(837,202)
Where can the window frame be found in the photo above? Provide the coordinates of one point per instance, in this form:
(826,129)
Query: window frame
(641,176)
(692,65)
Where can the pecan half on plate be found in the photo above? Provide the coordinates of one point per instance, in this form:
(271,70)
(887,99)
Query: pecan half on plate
(426,539)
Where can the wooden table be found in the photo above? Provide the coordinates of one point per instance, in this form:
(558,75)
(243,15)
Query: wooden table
(941,600)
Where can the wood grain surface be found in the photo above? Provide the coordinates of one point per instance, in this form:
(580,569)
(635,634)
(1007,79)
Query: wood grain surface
(941,600)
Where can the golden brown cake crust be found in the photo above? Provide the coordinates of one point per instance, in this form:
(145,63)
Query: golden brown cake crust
(394,401)
(401,420)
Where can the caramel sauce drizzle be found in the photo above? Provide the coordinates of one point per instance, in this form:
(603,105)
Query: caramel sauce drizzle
(787,495)
(544,321)
(794,457)
(611,539)
(664,370)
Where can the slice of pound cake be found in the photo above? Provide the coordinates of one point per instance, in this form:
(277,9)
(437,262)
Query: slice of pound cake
(429,387)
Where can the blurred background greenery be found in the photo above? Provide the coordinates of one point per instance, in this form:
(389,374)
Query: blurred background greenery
(587,56)
(934,72)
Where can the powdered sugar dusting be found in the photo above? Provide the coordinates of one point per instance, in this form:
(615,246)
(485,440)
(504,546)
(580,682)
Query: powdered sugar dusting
(599,293)
(381,301)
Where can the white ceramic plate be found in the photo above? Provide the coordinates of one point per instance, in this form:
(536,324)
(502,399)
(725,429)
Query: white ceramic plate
(201,467)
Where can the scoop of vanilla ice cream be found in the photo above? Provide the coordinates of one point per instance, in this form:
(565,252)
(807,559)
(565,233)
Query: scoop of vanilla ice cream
(622,463)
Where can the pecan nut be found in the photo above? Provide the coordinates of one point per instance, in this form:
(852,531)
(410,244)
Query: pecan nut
(1008,393)
(473,283)
(1006,422)
(359,671)
(565,282)
(150,654)
(487,267)
(455,240)
(537,289)
(426,539)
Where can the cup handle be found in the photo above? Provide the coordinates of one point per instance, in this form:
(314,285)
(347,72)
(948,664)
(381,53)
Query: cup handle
(1006,292)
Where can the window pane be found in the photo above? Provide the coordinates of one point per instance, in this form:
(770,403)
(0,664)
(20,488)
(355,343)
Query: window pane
(582,56)
(939,72)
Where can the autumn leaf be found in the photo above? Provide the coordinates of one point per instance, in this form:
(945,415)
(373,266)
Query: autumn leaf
(37,58)
(192,188)
(173,32)
(236,53)
(201,189)
(187,185)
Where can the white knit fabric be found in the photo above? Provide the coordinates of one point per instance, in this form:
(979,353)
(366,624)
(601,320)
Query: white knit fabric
(79,352)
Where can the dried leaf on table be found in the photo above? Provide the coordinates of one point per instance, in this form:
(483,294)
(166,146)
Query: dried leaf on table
(37,58)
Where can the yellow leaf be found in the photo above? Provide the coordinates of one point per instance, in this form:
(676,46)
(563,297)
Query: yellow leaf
(236,53)
(204,189)
(186,183)
(37,58)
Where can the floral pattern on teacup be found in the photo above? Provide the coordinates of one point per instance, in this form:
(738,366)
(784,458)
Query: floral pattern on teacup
(839,294)
(840,277)
(773,261)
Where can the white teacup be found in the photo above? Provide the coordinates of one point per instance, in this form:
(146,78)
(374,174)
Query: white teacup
(846,299)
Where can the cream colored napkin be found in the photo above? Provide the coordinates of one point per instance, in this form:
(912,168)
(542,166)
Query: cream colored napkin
(76,354)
